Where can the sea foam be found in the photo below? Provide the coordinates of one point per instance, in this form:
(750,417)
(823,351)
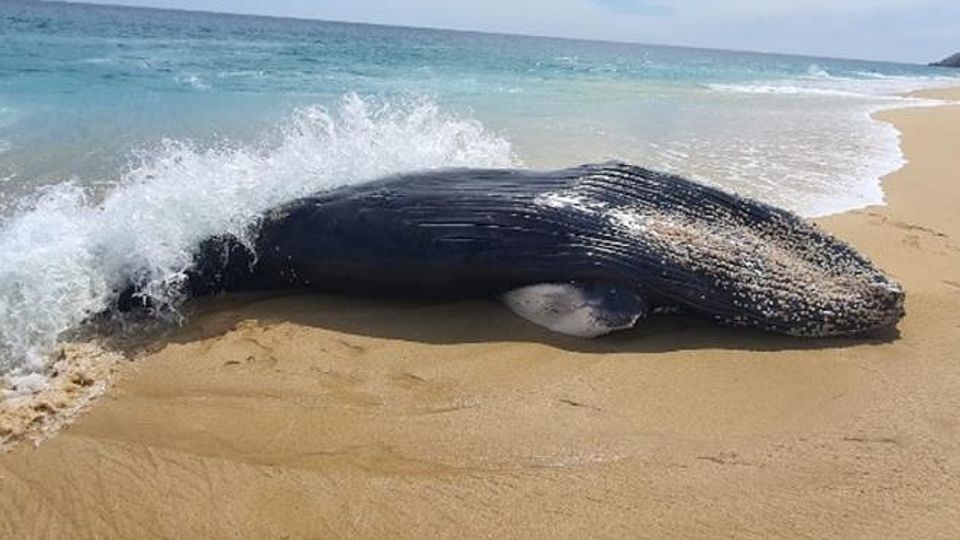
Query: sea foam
(819,83)
(66,256)
(827,153)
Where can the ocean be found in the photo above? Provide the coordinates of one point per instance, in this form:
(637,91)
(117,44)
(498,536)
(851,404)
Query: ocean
(128,135)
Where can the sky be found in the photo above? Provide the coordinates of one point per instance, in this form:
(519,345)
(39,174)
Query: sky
(896,30)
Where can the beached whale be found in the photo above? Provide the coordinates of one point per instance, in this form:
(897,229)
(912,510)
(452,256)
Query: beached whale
(583,251)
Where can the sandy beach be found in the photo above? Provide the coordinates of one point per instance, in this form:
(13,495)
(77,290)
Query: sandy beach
(322,417)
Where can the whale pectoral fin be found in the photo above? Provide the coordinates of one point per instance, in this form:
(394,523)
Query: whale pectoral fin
(578,309)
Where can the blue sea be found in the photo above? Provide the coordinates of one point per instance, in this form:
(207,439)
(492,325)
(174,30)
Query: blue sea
(129,135)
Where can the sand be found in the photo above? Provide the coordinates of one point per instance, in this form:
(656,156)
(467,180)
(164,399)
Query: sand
(320,416)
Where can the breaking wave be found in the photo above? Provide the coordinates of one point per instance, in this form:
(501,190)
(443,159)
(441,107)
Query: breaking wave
(819,83)
(66,255)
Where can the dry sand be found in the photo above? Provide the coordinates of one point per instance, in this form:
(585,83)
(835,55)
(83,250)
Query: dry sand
(319,416)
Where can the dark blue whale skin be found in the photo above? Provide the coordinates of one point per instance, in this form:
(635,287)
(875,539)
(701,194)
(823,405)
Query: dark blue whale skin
(469,232)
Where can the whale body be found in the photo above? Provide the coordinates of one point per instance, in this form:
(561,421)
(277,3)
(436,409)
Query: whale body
(583,251)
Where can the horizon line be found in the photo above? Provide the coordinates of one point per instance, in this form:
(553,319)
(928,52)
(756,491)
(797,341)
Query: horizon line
(471,31)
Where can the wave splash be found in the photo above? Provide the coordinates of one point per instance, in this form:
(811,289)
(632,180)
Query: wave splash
(818,83)
(66,257)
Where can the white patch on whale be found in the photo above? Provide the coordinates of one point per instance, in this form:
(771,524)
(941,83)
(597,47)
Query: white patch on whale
(575,310)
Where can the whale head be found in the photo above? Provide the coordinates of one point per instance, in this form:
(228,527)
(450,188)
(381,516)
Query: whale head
(736,260)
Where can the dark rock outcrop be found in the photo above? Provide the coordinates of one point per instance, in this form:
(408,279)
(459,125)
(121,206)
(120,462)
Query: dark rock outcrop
(950,61)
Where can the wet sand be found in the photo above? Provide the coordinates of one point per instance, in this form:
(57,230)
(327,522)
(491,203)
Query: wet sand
(321,416)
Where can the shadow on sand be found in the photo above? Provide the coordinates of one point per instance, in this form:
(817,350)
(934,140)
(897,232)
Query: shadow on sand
(479,321)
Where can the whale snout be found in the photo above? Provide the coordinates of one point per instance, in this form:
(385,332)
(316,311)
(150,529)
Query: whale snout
(868,308)
(889,299)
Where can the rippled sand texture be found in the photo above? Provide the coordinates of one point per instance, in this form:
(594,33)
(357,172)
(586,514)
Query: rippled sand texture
(318,416)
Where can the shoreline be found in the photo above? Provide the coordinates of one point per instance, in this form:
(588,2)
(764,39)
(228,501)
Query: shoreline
(81,371)
(301,414)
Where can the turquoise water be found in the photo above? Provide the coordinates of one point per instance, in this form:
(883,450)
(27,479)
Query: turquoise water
(128,135)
